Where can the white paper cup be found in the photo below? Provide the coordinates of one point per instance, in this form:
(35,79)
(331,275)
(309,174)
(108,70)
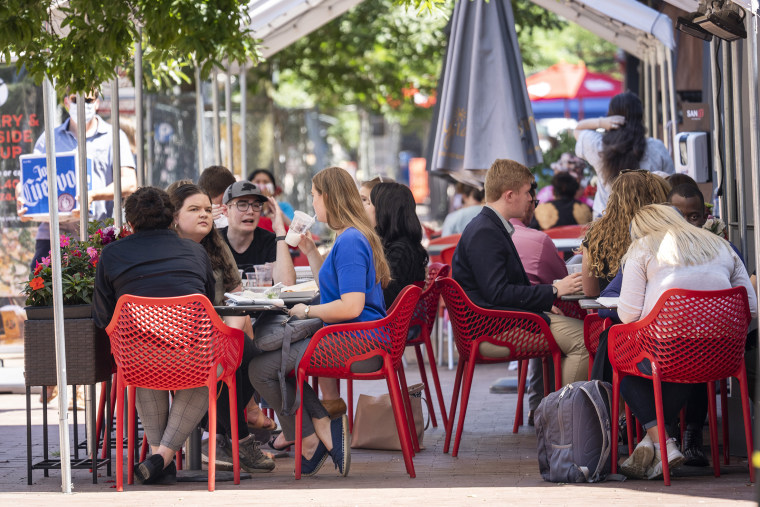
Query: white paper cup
(300,224)
(574,268)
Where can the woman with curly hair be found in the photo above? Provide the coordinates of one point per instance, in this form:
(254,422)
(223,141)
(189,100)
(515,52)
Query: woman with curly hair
(623,145)
(608,238)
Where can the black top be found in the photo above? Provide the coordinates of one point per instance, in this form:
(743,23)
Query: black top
(152,264)
(262,249)
(407,263)
(487,266)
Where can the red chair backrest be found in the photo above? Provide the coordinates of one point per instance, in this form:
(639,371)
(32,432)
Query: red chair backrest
(447,254)
(171,343)
(427,305)
(692,336)
(525,334)
(593,325)
(567,231)
(451,239)
(571,309)
(333,348)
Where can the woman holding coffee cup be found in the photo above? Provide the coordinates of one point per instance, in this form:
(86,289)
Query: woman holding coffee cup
(351,279)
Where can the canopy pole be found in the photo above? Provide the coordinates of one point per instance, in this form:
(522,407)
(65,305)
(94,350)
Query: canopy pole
(199,114)
(715,110)
(672,88)
(653,93)
(739,146)
(228,110)
(84,211)
(647,96)
(243,122)
(48,98)
(139,123)
(728,140)
(663,97)
(215,119)
(116,153)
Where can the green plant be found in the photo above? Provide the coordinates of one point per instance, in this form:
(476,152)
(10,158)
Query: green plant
(79,260)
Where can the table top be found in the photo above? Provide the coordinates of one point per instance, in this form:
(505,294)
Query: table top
(240,310)
(573,297)
(567,244)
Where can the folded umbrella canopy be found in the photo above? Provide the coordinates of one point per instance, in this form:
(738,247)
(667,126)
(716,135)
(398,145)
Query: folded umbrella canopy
(484,112)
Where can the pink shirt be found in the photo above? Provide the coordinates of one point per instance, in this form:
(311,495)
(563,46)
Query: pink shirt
(538,254)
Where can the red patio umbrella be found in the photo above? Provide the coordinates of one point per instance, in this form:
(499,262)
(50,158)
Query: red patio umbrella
(571,81)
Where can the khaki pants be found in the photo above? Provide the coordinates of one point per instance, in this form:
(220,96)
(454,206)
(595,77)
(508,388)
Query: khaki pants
(568,333)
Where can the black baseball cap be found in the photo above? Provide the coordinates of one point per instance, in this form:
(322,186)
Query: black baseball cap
(243,188)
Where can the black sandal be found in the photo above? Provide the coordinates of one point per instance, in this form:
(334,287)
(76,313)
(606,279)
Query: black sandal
(271,442)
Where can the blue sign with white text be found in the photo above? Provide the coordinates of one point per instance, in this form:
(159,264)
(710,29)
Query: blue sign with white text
(35,187)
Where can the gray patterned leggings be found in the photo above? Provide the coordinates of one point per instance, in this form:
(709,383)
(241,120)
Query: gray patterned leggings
(170,426)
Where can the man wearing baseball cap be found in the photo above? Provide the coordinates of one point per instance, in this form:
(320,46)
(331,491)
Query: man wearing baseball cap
(250,244)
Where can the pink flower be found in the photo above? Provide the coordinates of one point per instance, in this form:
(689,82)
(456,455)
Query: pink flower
(92,252)
(46,261)
(64,240)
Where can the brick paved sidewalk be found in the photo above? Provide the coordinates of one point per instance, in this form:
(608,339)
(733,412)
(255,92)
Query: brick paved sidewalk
(494,467)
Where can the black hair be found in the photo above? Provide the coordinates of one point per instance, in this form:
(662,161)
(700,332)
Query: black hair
(211,242)
(265,171)
(687,191)
(624,147)
(677,179)
(148,209)
(396,215)
(565,186)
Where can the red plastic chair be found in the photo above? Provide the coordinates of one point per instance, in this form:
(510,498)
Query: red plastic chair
(447,255)
(593,325)
(334,348)
(688,337)
(170,344)
(526,335)
(424,316)
(451,239)
(567,231)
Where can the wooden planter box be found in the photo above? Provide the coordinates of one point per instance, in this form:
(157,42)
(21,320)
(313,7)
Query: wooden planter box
(88,350)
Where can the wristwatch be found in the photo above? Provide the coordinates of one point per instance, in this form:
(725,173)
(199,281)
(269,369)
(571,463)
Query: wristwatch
(306,312)
(555,290)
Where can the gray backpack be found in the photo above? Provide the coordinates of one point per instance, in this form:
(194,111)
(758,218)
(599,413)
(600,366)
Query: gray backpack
(573,433)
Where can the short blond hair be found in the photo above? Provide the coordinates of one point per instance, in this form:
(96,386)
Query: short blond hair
(504,175)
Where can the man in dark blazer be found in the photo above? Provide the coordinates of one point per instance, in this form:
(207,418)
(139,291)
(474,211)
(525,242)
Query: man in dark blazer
(487,266)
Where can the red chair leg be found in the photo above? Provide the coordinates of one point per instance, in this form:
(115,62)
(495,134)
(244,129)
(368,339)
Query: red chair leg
(436,381)
(712,414)
(453,407)
(232,392)
(661,424)
(408,410)
(131,392)
(724,420)
(630,423)
(119,435)
(465,399)
(178,457)
(615,415)
(350,399)
(523,372)
(144,448)
(743,386)
(428,392)
(401,423)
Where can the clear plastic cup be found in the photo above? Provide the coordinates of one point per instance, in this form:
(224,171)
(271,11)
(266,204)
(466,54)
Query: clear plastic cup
(300,224)
(263,273)
(574,268)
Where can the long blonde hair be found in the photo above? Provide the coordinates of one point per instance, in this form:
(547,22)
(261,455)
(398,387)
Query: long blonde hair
(608,238)
(344,209)
(673,241)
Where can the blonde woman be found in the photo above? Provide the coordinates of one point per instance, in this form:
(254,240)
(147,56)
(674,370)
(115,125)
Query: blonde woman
(608,237)
(667,252)
(351,279)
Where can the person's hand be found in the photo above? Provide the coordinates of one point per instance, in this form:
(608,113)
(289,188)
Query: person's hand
(298,311)
(218,210)
(569,285)
(278,223)
(556,311)
(612,122)
(21,208)
(307,245)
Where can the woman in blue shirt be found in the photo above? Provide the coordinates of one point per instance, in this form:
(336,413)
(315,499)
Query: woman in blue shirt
(351,280)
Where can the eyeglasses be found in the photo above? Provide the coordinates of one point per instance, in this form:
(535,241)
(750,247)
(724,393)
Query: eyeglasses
(535,202)
(243,206)
(634,171)
(87,100)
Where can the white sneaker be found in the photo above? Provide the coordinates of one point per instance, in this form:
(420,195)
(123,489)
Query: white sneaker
(675,460)
(640,460)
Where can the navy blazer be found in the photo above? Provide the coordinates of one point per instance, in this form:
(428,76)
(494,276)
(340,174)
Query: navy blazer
(487,266)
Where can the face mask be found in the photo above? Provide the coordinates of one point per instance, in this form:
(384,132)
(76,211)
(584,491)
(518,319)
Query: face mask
(89,112)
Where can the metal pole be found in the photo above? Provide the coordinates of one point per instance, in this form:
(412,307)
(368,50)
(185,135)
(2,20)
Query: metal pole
(653,93)
(217,130)
(48,94)
(243,121)
(728,140)
(116,153)
(149,121)
(84,212)
(715,108)
(139,123)
(663,96)
(199,114)
(672,88)
(228,110)
(647,96)
(739,147)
